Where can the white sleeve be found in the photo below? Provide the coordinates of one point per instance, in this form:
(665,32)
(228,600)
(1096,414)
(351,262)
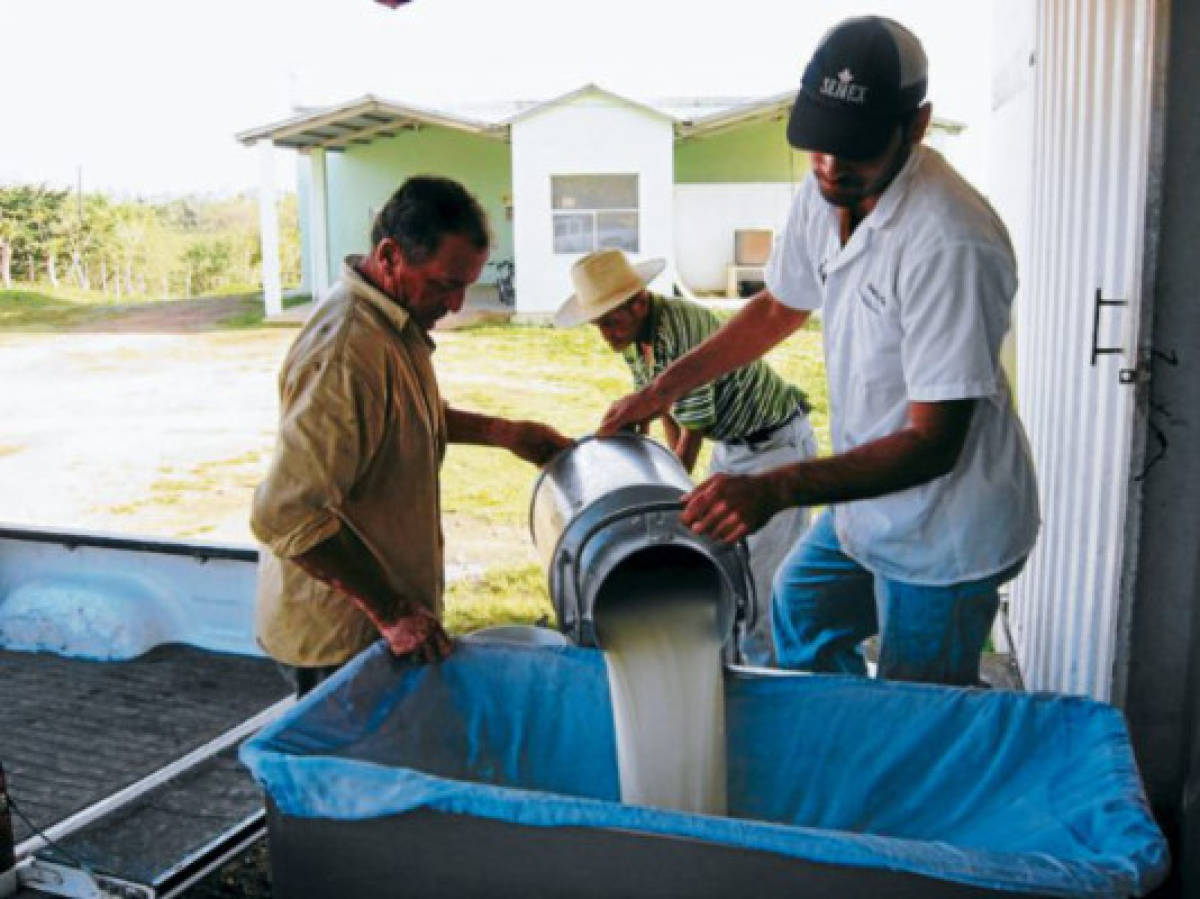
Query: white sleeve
(954,312)
(791,277)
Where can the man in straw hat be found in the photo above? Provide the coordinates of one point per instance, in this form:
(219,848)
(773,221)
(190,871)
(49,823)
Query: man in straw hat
(934,501)
(350,509)
(756,420)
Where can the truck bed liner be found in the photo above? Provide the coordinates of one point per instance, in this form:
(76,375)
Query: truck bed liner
(73,731)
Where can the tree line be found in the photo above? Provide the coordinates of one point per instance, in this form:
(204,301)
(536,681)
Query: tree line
(178,247)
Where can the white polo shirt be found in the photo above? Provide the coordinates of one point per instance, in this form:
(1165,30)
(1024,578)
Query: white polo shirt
(914,308)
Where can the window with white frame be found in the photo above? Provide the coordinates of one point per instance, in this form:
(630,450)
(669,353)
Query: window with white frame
(594,212)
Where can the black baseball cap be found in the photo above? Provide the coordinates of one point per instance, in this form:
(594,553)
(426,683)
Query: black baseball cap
(865,74)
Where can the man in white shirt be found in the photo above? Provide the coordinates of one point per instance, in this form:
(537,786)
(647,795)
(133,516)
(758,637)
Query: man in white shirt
(931,486)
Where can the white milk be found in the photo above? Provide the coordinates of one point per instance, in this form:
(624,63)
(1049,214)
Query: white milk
(658,628)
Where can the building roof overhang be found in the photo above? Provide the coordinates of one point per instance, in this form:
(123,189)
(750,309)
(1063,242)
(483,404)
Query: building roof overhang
(361,121)
(775,106)
(762,109)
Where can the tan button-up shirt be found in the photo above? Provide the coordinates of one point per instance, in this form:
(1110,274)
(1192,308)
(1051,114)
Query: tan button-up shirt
(362,434)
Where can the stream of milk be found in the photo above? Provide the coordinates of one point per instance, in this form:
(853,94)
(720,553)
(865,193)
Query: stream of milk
(659,632)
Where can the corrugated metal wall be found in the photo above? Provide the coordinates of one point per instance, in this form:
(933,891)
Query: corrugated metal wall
(1092,89)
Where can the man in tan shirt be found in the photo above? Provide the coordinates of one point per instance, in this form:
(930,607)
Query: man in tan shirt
(350,510)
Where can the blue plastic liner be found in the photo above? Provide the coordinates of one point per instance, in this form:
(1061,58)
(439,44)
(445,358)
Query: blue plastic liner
(1011,791)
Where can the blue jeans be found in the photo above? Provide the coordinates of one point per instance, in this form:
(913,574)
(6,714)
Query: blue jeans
(825,604)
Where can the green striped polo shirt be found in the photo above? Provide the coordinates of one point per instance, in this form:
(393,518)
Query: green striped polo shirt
(744,401)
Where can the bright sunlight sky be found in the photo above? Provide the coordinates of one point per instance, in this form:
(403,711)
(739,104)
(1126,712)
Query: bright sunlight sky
(146,95)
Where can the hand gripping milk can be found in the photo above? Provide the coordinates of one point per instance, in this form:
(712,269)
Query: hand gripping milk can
(610,504)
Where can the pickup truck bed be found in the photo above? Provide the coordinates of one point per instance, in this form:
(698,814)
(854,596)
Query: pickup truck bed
(143,743)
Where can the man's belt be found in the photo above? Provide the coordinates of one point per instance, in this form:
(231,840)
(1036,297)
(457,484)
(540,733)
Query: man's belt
(762,434)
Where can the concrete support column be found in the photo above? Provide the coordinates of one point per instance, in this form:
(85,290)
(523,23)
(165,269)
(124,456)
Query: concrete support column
(268,225)
(318,224)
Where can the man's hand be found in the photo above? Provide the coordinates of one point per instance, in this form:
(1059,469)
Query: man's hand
(344,563)
(533,441)
(418,634)
(728,507)
(636,409)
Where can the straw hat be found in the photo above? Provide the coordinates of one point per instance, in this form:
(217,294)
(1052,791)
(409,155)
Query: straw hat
(603,281)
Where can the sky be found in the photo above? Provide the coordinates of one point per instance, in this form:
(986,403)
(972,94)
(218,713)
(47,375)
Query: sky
(144,97)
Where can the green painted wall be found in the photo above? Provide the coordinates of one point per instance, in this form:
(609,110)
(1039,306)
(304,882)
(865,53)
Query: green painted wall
(758,151)
(362,178)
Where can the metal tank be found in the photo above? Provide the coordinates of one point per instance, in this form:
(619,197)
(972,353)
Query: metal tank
(609,502)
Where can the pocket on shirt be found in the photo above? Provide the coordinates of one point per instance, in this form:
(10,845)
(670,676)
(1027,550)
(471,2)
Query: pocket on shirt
(873,299)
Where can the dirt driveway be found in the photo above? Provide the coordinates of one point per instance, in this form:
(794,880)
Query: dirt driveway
(149,433)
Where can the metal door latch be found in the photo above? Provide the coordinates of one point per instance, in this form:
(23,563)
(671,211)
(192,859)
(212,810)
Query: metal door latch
(1141,372)
(1144,371)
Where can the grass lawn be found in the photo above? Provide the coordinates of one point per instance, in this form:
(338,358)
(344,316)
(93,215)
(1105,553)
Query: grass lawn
(158,418)
(21,309)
